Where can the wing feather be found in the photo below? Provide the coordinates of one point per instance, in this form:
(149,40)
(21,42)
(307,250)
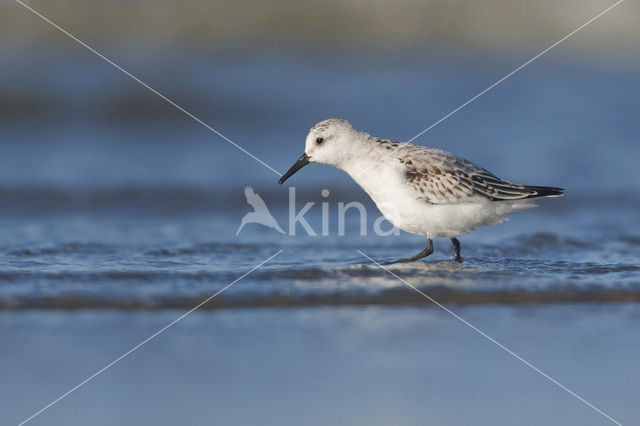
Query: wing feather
(439,177)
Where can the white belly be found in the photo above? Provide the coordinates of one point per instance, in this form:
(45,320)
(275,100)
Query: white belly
(446,220)
(401,206)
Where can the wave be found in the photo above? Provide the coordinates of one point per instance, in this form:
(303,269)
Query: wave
(492,272)
(528,268)
(510,252)
(395,296)
(479,281)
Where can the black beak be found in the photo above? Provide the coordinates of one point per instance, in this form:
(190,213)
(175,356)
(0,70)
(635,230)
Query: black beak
(302,161)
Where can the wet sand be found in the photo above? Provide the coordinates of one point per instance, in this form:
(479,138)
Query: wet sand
(326,365)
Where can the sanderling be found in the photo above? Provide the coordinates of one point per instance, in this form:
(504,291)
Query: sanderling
(424,191)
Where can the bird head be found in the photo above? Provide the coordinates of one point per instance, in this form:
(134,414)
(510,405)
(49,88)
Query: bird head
(328,142)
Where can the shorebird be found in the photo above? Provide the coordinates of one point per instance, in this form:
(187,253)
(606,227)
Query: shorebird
(423,191)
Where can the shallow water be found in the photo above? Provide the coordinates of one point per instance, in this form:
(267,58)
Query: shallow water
(131,253)
(374,365)
(119,213)
(110,199)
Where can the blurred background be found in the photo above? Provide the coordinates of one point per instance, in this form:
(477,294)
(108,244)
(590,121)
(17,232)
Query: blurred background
(263,72)
(118,212)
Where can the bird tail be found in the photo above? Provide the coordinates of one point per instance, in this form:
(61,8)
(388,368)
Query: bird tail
(544,191)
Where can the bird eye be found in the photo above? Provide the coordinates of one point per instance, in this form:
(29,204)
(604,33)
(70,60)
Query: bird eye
(319,140)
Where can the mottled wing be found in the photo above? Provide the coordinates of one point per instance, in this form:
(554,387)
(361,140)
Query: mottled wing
(441,178)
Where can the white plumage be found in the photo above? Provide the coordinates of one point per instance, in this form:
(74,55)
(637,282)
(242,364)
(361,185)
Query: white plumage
(420,190)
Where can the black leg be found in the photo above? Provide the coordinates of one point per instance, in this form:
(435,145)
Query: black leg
(456,249)
(424,253)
